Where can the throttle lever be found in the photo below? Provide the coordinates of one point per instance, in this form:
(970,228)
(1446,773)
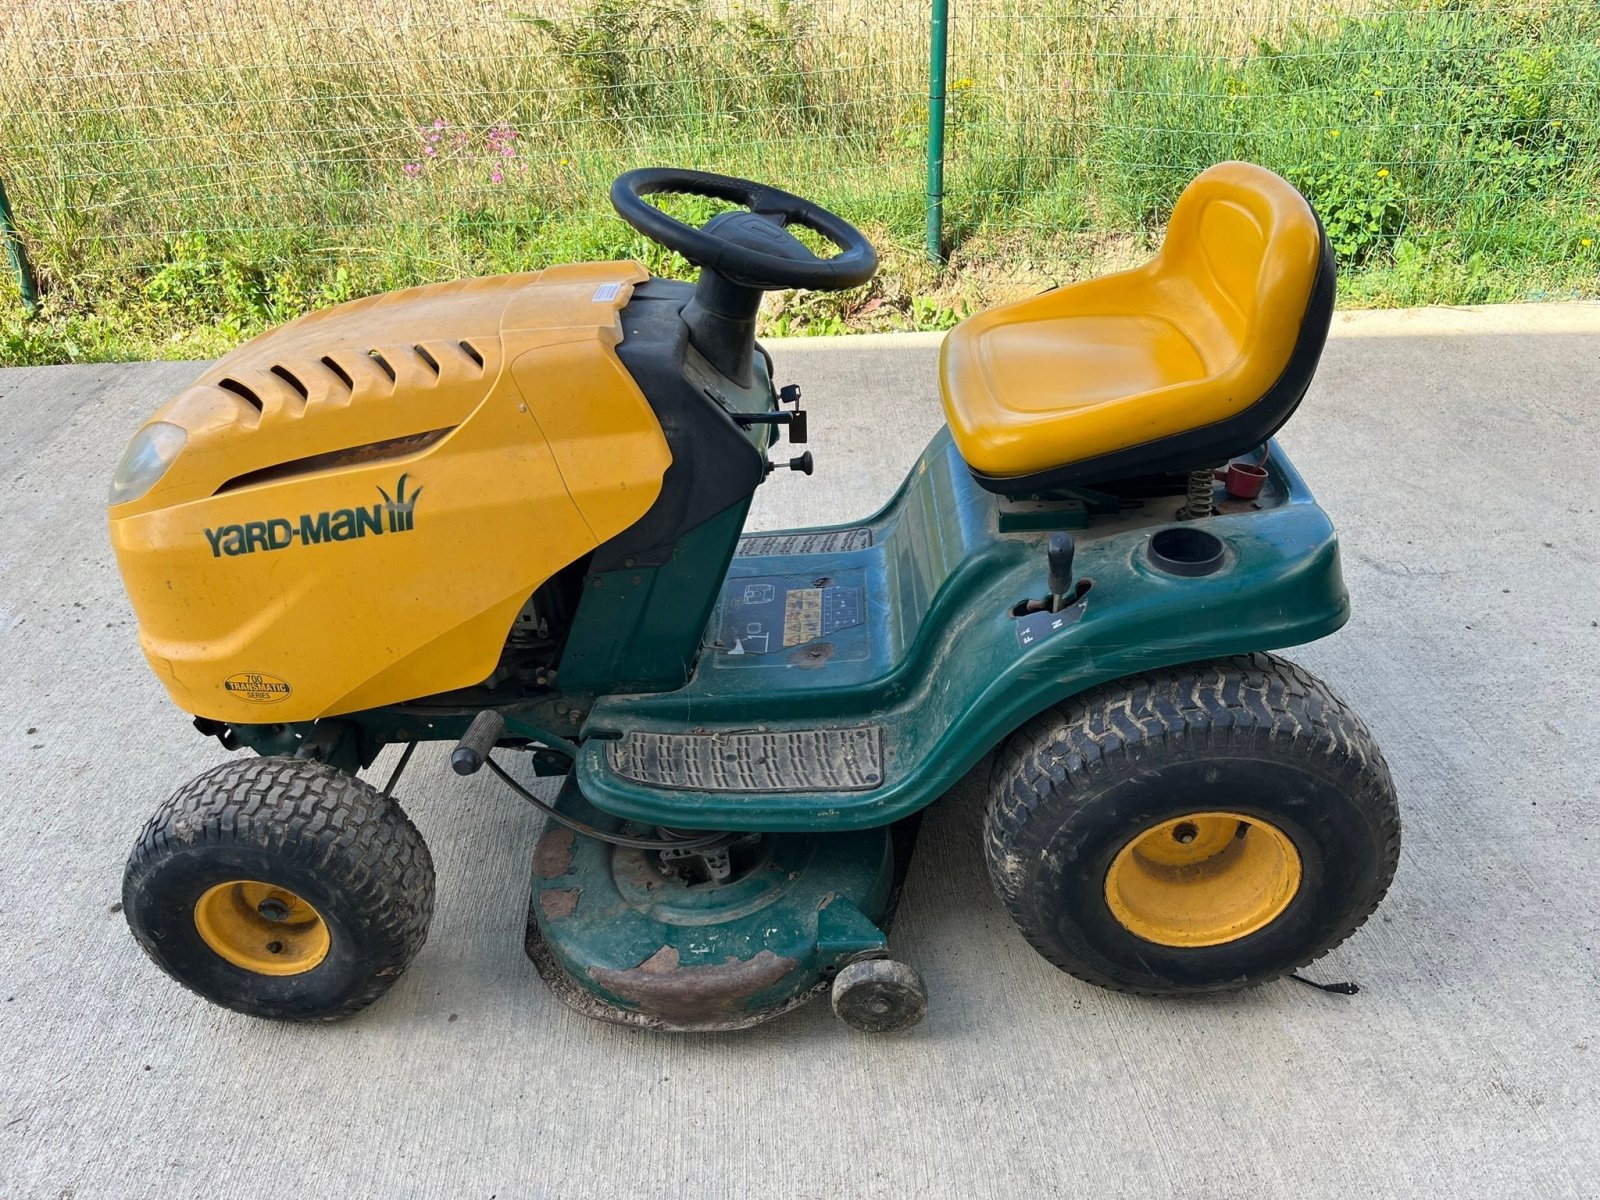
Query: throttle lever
(801,463)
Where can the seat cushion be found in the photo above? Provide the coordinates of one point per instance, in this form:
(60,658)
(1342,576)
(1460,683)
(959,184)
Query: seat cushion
(1117,372)
(1103,356)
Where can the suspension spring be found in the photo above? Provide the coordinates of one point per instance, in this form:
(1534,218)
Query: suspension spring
(1199,504)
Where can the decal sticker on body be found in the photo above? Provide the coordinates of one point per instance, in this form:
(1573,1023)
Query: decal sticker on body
(765,615)
(396,514)
(256,687)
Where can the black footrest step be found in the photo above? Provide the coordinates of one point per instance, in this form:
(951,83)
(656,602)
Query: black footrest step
(795,760)
(827,541)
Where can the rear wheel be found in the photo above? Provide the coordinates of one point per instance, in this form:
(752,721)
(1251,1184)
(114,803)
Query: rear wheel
(280,888)
(1192,829)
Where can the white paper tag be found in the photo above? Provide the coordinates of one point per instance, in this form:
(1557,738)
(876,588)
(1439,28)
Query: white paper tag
(606,292)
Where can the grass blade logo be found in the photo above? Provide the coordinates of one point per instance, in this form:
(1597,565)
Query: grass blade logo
(396,514)
(402,516)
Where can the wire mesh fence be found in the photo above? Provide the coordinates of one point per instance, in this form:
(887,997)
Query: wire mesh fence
(1428,133)
(222,164)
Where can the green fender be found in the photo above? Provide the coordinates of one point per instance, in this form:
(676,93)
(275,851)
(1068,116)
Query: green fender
(938,667)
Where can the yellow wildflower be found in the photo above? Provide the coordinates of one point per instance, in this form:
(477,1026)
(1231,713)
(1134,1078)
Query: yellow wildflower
(1377,91)
(1333,133)
(1586,242)
(1383,172)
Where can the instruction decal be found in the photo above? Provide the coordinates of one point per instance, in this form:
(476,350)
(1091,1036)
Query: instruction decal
(1035,627)
(802,616)
(764,616)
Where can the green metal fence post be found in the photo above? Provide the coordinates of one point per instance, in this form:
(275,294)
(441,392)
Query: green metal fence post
(938,54)
(26,282)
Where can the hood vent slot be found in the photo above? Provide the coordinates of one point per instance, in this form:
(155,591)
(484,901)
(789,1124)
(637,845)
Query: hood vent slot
(433,364)
(288,377)
(239,390)
(353,456)
(472,353)
(344,376)
(382,362)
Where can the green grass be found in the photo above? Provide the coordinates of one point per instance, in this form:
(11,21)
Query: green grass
(183,191)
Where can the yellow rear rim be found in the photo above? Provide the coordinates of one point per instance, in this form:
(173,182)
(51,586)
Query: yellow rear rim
(262,928)
(1203,879)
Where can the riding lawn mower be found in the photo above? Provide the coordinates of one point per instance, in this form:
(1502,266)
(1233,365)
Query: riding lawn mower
(509,514)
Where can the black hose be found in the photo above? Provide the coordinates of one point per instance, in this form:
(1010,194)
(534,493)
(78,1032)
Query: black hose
(616,839)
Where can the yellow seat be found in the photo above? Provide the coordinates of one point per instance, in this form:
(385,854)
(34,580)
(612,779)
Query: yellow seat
(1198,355)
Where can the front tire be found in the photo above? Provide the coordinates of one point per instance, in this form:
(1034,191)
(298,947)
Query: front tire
(280,888)
(1192,829)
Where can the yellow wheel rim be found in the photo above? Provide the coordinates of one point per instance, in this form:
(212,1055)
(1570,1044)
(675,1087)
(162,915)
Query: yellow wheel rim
(1203,879)
(262,928)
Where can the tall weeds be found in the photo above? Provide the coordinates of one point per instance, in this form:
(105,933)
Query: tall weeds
(199,170)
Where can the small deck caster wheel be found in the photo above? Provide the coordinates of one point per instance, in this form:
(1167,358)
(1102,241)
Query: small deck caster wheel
(879,995)
(280,889)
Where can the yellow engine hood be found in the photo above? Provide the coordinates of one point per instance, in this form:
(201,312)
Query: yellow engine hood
(366,496)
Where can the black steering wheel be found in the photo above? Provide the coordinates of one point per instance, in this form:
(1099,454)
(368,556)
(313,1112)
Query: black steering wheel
(751,249)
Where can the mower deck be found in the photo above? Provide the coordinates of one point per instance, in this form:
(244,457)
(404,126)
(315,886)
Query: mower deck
(619,936)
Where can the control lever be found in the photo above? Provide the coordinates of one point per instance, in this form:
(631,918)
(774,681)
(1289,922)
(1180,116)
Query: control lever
(1059,552)
(800,463)
(487,728)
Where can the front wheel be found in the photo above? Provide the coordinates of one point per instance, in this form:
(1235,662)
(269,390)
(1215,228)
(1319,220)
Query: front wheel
(1192,829)
(280,888)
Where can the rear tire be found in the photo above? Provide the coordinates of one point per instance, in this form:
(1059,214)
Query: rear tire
(280,888)
(1192,829)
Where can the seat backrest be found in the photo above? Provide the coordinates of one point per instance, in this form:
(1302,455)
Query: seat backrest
(1250,245)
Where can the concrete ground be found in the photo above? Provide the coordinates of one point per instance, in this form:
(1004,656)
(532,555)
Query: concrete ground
(1459,454)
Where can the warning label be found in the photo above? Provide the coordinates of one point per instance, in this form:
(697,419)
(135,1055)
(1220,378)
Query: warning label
(802,616)
(764,615)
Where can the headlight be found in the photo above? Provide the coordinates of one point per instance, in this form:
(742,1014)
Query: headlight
(149,455)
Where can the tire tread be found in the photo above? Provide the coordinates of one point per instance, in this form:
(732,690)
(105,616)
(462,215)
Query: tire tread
(335,824)
(1230,707)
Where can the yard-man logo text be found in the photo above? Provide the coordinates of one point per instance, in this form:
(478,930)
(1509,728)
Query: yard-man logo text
(393,515)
